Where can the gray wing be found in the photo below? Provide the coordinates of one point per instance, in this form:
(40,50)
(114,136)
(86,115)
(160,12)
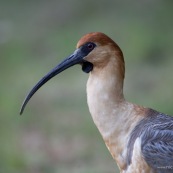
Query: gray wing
(157,144)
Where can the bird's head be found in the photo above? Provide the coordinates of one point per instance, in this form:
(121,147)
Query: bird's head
(94,50)
(102,50)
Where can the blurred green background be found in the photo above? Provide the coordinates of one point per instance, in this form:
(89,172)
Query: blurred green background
(56,133)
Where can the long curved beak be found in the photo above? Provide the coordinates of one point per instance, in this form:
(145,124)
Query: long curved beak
(75,58)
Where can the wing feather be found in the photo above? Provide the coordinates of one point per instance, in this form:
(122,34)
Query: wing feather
(157,144)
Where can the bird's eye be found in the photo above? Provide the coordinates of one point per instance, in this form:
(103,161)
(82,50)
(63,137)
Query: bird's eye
(90,46)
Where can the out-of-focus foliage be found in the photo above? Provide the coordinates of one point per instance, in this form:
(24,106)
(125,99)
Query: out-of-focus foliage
(56,133)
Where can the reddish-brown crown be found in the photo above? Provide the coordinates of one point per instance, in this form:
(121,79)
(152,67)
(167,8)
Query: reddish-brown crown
(100,39)
(96,37)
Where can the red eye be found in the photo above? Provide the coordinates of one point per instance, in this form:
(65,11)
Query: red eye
(90,46)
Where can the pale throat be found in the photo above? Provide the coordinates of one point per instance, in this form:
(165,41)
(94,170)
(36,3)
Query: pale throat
(105,98)
(110,111)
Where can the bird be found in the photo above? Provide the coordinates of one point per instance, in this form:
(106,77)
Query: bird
(140,139)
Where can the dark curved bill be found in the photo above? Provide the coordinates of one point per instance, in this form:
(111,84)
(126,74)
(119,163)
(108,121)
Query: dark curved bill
(75,58)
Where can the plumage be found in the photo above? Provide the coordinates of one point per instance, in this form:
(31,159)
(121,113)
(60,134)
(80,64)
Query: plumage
(156,133)
(157,143)
(140,139)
